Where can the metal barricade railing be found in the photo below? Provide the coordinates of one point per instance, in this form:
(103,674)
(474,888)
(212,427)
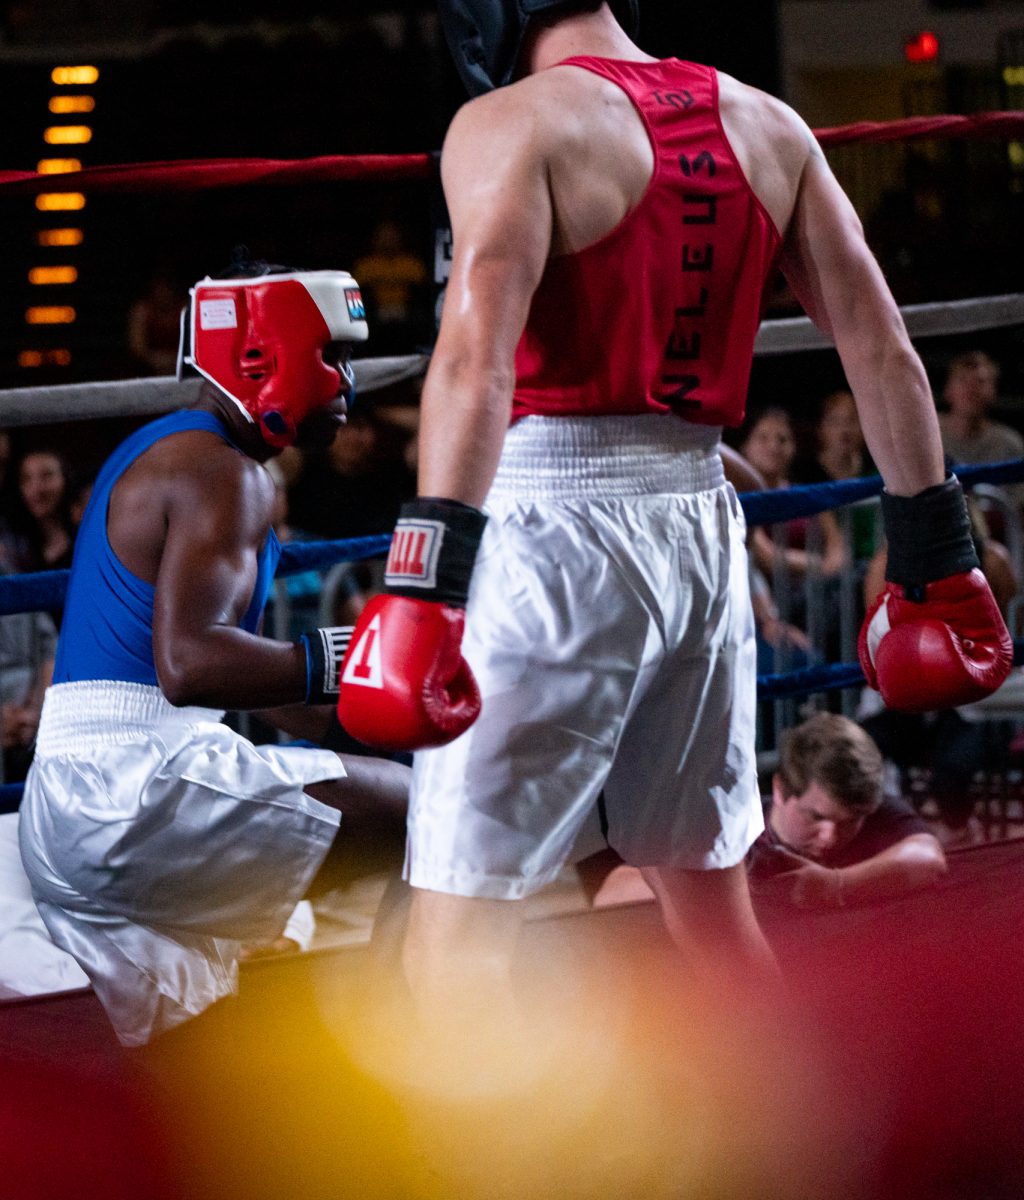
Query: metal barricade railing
(27,643)
(829,609)
(996,501)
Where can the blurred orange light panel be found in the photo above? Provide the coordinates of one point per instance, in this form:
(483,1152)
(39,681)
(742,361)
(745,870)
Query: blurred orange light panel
(60,201)
(72,104)
(40,276)
(58,166)
(50,314)
(74,75)
(67,135)
(59,237)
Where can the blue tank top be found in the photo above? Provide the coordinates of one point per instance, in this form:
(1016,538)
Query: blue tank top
(107,628)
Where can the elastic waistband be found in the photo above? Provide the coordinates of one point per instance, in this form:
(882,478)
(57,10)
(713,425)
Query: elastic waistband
(555,458)
(77,716)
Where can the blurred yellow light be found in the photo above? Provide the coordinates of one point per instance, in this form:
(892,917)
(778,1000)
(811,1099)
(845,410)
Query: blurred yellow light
(50,314)
(1016,151)
(67,135)
(60,201)
(58,166)
(72,104)
(64,75)
(59,237)
(1013,76)
(30,358)
(43,275)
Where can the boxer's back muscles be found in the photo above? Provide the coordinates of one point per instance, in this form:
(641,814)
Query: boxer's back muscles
(598,159)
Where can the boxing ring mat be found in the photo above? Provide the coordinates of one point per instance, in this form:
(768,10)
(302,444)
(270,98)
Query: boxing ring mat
(901,1078)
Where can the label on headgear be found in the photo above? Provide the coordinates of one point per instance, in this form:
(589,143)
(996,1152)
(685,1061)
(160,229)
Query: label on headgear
(356,307)
(412,561)
(218,314)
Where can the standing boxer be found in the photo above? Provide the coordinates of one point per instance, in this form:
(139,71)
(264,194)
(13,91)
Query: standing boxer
(615,219)
(156,839)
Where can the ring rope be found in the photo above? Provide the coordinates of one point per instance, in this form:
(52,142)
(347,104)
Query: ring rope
(189,175)
(45,589)
(151,396)
(934,319)
(192,174)
(148,397)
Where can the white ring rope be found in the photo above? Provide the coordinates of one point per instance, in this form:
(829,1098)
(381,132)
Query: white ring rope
(149,397)
(153,396)
(922,320)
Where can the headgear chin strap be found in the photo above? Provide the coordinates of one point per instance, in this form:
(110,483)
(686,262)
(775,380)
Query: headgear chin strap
(485,36)
(261,341)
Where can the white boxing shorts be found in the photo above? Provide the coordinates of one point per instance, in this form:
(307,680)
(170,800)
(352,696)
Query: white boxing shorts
(610,629)
(156,840)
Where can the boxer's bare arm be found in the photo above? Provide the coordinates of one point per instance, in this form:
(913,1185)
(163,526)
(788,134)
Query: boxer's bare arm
(217,515)
(493,169)
(837,279)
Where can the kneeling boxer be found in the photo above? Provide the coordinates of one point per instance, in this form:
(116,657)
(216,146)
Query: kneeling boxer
(156,839)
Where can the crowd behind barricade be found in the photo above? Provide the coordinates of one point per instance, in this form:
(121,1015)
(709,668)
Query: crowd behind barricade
(812,580)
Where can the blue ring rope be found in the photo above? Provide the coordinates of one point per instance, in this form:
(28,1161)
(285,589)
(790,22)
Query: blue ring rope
(45,589)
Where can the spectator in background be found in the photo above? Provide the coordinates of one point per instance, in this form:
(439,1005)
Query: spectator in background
(9,543)
(780,645)
(41,520)
(392,279)
(807,546)
(841,450)
(969,434)
(831,837)
(840,453)
(769,445)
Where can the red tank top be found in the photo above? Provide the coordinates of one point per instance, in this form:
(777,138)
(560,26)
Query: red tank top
(660,314)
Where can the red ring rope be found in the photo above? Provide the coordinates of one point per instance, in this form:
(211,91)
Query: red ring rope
(225,172)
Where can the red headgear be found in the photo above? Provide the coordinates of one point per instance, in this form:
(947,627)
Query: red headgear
(261,341)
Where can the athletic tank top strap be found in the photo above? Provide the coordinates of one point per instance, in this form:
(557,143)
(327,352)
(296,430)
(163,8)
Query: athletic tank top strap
(107,628)
(666,305)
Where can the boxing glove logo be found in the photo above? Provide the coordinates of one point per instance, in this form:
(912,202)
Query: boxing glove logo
(363,665)
(415,548)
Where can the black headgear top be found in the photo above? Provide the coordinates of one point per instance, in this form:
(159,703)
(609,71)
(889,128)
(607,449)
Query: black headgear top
(485,36)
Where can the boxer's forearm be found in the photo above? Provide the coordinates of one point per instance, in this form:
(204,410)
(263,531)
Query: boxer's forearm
(230,669)
(310,723)
(897,414)
(465,416)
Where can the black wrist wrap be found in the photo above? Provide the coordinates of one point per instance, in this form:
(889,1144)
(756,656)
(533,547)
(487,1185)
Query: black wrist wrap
(929,536)
(433,550)
(325,652)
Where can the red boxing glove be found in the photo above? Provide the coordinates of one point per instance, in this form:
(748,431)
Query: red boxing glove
(934,638)
(952,648)
(404,682)
(406,685)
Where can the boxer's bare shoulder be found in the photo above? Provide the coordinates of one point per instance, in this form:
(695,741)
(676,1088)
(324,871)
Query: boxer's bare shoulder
(771,142)
(192,478)
(568,131)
